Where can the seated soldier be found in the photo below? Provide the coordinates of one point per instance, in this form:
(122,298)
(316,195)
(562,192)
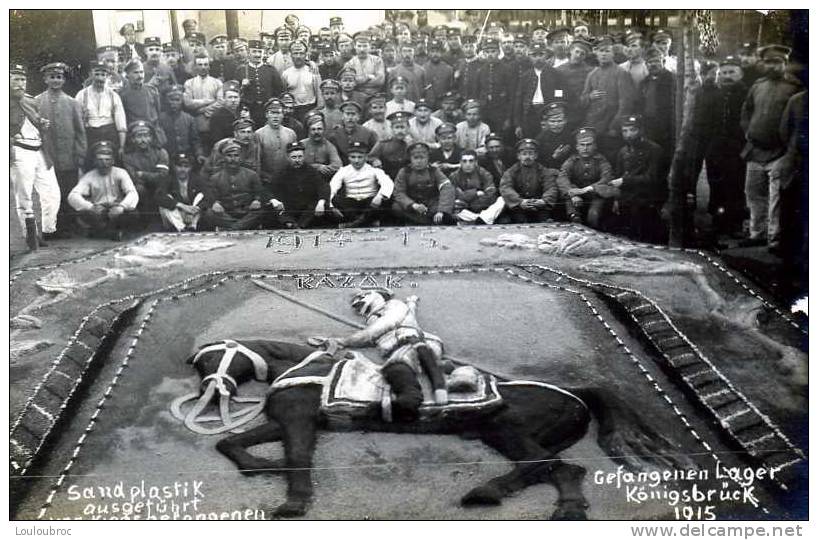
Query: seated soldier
(447,156)
(147,164)
(181,197)
(377,123)
(234,193)
(641,182)
(390,155)
(244,136)
(498,158)
(105,197)
(319,153)
(529,190)
(300,195)
(392,327)
(422,126)
(359,191)
(584,181)
(449,110)
(472,132)
(555,141)
(423,194)
(474,189)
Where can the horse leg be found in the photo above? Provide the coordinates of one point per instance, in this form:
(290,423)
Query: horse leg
(235,448)
(567,478)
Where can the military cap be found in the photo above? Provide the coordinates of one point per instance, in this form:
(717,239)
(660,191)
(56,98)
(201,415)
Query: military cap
(521,37)
(378,96)
(417,146)
(103,147)
(324,47)
(17,69)
(170,46)
(240,123)
(313,117)
(287,99)
(440,27)
(238,43)
(580,23)
(707,66)
(450,95)
(197,37)
(631,120)
(124,28)
(219,39)
(435,44)
(315,41)
(730,61)
(298,46)
(273,103)
(468,40)
(748,47)
(398,80)
(445,127)
(295,146)
(452,32)
(604,41)
(255,44)
(231,86)
(57,67)
(182,158)
(774,52)
(347,70)
(175,89)
(333,21)
(389,44)
(470,104)
(468,152)
(107,49)
(189,22)
(350,103)
(493,137)
(587,47)
(343,37)
(541,48)
(266,35)
(139,124)
(633,35)
(152,41)
(330,83)
(363,35)
(359,147)
(652,53)
(132,63)
(229,145)
(489,44)
(539,27)
(301,29)
(557,32)
(423,103)
(96,64)
(282,30)
(525,144)
(554,108)
(585,131)
(399,116)
(660,34)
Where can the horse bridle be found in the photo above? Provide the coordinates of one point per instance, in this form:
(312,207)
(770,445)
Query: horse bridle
(218,381)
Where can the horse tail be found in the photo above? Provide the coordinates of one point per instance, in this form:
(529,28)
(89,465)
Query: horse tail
(625,436)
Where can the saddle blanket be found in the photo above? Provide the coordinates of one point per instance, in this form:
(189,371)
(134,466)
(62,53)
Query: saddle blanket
(356,387)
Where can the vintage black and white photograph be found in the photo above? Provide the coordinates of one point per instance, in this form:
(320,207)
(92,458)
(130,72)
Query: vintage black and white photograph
(409,264)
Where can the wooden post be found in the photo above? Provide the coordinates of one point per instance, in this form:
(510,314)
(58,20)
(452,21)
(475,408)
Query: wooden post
(231,17)
(174,26)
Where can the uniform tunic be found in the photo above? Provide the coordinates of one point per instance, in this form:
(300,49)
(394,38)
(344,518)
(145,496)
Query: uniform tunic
(182,135)
(273,150)
(332,117)
(425,132)
(300,189)
(234,190)
(321,153)
(263,83)
(467,185)
(573,81)
(549,143)
(468,70)
(153,167)
(761,115)
(472,138)
(534,182)
(429,187)
(370,66)
(495,92)
(342,139)
(64,141)
(603,113)
(382,130)
(140,103)
(440,77)
(392,153)
(415,77)
(639,165)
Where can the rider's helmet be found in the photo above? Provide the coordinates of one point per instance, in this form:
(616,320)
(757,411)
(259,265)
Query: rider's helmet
(368,300)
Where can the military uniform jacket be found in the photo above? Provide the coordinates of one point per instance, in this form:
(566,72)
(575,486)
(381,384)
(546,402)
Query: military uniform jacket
(152,164)
(466,76)
(657,102)
(535,182)
(550,82)
(221,123)
(573,81)
(300,189)
(761,116)
(264,83)
(332,117)
(392,153)
(440,78)
(496,168)
(549,143)
(436,155)
(716,122)
(580,172)
(65,141)
(322,153)
(341,139)
(467,185)
(494,88)
(429,187)
(639,165)
(234,190)
(602,114)
(180,130)
(249,157)
(169,192)
(140,103)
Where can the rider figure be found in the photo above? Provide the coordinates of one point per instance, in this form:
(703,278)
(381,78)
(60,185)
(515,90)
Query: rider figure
(392,327)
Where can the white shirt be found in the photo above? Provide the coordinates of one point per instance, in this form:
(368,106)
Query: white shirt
(102,108)
(394,106)
(301,83)
(362,183)
(425,132)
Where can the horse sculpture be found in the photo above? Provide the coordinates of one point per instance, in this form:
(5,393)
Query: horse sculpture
(534,423)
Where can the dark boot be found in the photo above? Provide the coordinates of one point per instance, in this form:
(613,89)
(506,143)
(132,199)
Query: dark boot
(32,239)
(408,395)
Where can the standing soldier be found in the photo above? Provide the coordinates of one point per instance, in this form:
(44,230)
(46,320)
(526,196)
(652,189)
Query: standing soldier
(179,127)
(64,142)
(328,67)
(574,73)
(172,58)
(559,40)
(330,93)
(657,101)
(413,74)
(221,65)
(302,81)
(439,74)
(31,168)
(662,40)
(536,87)
(495,90)
(260,82)
(369,70)
(455,48)
(131,48)
(140,101)
(102,112)
(467,69)
(153,61)
(202,95)
(760,119)
(281,59)
(749,63)
(635,64)
(273,139)
(188,42)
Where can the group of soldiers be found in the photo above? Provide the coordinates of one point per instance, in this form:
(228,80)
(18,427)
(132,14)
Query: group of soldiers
(398,124)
